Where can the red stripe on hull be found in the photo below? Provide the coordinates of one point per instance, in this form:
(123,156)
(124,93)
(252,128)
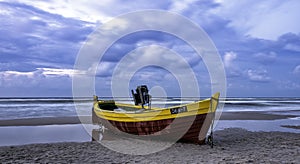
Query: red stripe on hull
(184,129)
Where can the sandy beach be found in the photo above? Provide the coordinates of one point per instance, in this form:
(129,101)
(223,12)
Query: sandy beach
(231,146)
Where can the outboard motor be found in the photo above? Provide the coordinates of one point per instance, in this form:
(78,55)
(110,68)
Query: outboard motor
(141,97)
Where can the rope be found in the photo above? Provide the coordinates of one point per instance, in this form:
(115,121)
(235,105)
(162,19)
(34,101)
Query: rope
(213,120)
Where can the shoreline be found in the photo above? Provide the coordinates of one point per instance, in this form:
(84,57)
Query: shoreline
(232,145)
(247,115)
(46,121)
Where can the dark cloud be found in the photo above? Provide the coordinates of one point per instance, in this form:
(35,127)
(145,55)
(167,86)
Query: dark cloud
(132,41)
(30,35)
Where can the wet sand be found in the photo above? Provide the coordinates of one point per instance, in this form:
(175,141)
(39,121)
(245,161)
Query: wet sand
(231,146)
(46,121)
(253,115)
(291,126)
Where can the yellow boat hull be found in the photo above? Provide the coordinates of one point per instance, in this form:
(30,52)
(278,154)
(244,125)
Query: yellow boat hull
(190,121)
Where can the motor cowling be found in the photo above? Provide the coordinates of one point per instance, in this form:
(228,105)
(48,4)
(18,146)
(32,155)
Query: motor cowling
(141,97)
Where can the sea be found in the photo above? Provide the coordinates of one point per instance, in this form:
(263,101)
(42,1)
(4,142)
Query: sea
(21,108)
(27,108)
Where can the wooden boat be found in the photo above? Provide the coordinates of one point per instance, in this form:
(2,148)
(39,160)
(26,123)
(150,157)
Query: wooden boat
(185,123)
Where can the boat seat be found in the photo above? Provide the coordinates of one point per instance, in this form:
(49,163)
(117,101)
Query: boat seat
(107,105)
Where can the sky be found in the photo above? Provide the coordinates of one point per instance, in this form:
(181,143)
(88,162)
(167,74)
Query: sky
(258,42)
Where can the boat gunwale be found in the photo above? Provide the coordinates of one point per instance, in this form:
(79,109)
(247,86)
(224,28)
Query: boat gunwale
(147,114)
(146,110)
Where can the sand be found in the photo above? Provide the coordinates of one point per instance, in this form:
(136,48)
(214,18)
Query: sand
(231,146)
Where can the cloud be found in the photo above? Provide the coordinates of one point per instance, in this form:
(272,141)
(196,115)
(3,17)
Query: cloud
(289,38)
(181,6)
(229,57)
(266,19)
(158,55)
(30,37)
(266,58)
(232,69)
(94,11)
(156,59)
(41,82)
(10,76)
(102,69)
(138,39)
(290,42)
(289,85)
(40,40)
(258,75)
(297,70)
(292,47)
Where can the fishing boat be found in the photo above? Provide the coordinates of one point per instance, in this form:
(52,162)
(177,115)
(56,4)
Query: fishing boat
(185,123)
